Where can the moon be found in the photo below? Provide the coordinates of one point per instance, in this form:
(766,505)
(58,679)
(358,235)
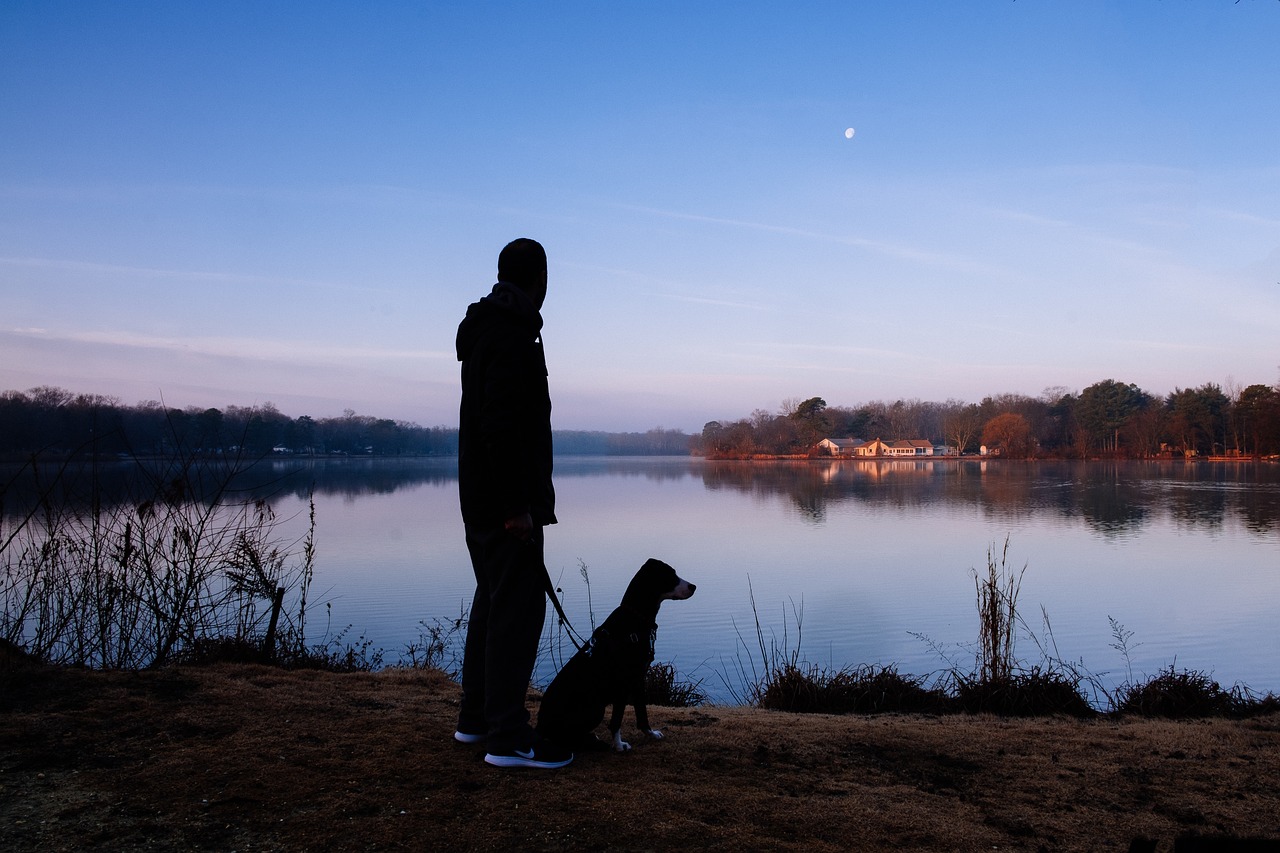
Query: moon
(848,133)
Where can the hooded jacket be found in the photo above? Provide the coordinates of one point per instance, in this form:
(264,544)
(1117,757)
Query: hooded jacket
(504,435)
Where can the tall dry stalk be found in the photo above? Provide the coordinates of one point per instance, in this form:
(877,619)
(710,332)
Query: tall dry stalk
(997,614)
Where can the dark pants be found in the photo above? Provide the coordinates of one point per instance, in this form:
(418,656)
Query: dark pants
(507,615)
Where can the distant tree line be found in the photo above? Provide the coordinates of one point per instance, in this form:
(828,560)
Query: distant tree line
(1107,419)
(49,420)
(655,442)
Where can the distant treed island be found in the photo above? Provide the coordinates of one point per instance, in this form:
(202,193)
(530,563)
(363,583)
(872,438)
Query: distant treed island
(1107,419)
(54,421)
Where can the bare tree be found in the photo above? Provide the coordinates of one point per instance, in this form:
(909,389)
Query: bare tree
(961,422)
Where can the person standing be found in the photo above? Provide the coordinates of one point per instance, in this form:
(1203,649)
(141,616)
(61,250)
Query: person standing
(507,498)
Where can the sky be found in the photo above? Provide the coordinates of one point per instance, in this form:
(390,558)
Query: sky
(213,204)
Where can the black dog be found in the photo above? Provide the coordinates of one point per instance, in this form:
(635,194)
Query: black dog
(611,667)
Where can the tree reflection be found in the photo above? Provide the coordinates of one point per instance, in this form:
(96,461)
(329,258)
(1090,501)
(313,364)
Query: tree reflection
(1111,497)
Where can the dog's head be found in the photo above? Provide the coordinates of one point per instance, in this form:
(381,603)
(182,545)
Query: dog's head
(655,583)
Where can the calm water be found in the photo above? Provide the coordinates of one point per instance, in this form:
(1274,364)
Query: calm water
(854,562)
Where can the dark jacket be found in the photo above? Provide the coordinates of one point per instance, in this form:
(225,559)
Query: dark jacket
(504,436)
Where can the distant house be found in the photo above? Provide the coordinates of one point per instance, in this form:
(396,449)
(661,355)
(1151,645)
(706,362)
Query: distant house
(875,447)
(909,447)
(840,446)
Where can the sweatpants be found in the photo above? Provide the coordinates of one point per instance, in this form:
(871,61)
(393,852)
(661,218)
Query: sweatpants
(507,616)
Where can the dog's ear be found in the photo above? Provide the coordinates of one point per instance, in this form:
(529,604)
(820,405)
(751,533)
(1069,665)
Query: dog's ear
(653,564)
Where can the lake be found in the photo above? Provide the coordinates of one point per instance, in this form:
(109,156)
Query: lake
(851,562)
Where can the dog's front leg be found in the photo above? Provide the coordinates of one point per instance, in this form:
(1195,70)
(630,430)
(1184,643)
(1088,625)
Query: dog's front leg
(641,704)
(615,727)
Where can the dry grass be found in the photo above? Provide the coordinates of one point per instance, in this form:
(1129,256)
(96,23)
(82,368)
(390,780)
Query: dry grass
(245,757)
(183,558)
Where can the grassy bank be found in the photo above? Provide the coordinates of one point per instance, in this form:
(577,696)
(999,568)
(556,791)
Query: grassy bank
(246,757)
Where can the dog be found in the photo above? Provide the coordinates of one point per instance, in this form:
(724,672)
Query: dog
(610,668)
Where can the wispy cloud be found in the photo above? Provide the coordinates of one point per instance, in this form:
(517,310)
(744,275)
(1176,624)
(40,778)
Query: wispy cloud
(896,250)
(296,352)
(347,193)
(1168,346)
(1242,216)
(654,287)
(97,268)
(723,303)
(841,350)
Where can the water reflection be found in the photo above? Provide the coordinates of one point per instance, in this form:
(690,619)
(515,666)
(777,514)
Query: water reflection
(878,552)
(110,483)
(1113,499)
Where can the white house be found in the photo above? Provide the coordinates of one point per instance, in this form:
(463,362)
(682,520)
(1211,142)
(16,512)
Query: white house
(841,446)
(875,447)
(909,447)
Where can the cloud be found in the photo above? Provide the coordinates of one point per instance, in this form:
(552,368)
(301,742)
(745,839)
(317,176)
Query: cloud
(1242,216)
(96,268)
(894,250)
(837,349)
(241,348)
(1171,346)
(723,303)
(301,379)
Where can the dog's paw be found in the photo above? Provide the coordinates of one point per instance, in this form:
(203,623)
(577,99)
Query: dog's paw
(620,745)
(655,734)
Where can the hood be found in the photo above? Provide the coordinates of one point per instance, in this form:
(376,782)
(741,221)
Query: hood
(506,304)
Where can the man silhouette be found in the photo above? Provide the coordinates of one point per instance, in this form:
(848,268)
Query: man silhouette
(506,495)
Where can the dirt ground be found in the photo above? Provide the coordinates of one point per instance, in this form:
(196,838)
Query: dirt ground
(251,758)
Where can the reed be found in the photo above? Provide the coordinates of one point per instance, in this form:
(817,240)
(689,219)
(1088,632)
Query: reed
(183,566)
(746,679)
(997,591)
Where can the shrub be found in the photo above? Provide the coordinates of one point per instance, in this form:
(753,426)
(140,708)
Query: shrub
(439,645)
(340,655)
(1250,705)
(662,687)
(1178,694)
(1023,693)
(807,688)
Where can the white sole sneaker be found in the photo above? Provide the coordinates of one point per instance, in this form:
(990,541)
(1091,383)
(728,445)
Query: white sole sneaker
(525,759)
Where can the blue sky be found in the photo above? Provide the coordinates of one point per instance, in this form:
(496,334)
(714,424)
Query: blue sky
(235,203)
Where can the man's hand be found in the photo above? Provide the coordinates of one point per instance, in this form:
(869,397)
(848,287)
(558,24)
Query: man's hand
(519,526)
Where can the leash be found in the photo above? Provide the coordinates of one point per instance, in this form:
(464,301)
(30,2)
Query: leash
(574,636)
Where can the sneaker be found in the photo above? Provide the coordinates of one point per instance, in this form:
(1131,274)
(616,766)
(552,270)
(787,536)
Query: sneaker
(469,737)
(542,755)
